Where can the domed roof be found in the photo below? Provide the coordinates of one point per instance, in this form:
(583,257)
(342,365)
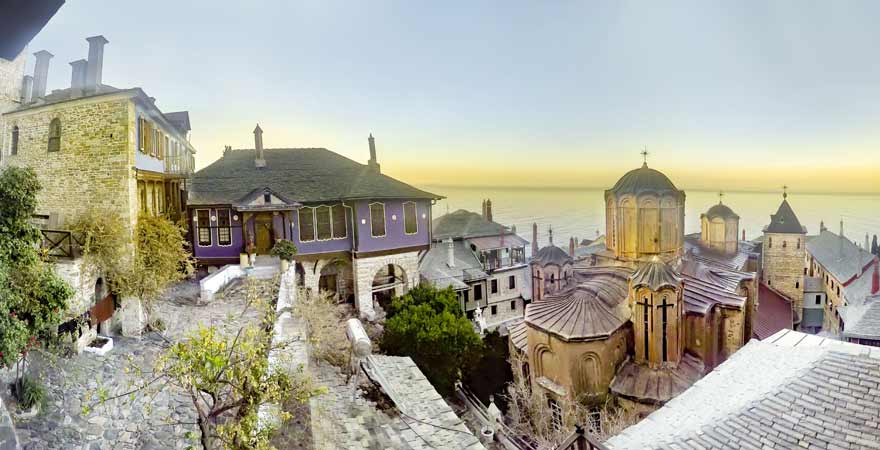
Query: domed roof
(655,274)
(721,210)
(551,254)
(641,180)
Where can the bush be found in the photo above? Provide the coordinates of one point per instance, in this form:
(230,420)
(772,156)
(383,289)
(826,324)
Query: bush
(32,393)
(284,249)
(428,325)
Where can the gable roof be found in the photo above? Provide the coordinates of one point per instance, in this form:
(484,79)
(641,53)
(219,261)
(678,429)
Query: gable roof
(784,221)
(773,313)
(465,224)
(300,174)
(839,255)
(863,321)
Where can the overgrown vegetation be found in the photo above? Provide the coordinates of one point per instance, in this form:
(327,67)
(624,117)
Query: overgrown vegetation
(429,326)
(325,320)
(284,249)
(530,415)
(160,253)
(492,373)
(32,393)
(32,297)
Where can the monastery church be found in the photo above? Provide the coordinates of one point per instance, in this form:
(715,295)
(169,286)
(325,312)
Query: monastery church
(644,313)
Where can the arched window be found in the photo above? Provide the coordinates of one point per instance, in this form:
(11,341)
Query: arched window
(55,135)
(14,149)
(797,284)
(770,243)
(784,244)
(798,243)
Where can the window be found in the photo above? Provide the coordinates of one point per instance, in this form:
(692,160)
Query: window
(306,224)
(322,221)
(478,292)
(493,287)
(340,230)
(410,220)
(224,231)
(147,137)
(55,135)
(513,305)
(142,135)
(494,309)
(267,198)
(466,295)
(805,270)
(770,243)
(204,225)
(511,282)
(14,150)
(784,244)
(377,219)
(798,243)
(838,291)
(797,284)
(819,299)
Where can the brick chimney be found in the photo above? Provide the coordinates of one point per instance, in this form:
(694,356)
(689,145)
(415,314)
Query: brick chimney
(96,62)
(27,89)
(78,77)
(259,159)
(41,74)
(373,163)
(534,239)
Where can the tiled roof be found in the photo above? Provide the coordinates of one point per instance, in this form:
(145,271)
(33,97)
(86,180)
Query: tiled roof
(508,240)
(839,256)
(301,174)
(434,266)
(656,386)
(863,321)
(519,336)
(774,313)
(655,274)
(792,390)
(784,221)
(180,119)
(593,305)
(720,210)
(465,224)
(700,296)
(551,254)
(734,261)
(643,179)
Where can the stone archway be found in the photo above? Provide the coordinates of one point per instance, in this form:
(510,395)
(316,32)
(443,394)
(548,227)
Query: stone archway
(388,282)
(336,278)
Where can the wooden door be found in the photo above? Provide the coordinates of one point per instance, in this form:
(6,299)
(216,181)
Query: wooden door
(264,235)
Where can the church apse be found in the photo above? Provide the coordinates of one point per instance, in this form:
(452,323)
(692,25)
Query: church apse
(658,323)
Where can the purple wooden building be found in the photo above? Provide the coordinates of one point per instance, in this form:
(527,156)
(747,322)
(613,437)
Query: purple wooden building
(359,233)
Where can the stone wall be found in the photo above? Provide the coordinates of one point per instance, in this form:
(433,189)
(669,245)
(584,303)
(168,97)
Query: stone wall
(11,74)
(783,265)
(83,283)
(93,167)
(365,270)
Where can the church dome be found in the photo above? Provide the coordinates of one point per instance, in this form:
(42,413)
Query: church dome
(721,210)
(643,179)
(551,254)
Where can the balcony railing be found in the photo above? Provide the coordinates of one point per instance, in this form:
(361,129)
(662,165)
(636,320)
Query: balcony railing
(178,165)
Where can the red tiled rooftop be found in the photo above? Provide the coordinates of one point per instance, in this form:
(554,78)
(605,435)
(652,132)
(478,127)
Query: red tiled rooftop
(773,314)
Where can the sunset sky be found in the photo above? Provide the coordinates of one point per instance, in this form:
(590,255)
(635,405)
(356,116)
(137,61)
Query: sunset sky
(725,95)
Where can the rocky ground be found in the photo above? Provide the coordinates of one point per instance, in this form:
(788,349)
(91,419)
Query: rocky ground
(159,421)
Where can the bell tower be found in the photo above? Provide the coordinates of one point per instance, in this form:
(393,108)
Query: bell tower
(658,314)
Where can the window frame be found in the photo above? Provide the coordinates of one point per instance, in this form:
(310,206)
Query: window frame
(478,289)
(54,135)
(329,223)
(311,224)
(334,211)
(16,136)
(384,221)
(493,286)
(227,228)
(415,209)
(199,228)
(511,282)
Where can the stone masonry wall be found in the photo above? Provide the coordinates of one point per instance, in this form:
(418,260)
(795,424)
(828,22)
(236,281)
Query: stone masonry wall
(8,439)
(783,266)
(11,74)
(365,270)
(93,168)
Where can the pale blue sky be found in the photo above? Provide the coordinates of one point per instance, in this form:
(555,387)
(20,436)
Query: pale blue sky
(747,95)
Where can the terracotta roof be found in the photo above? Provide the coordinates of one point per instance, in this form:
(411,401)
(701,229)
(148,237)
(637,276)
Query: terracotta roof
(721,210)
(784,221)
(465,224)
(643,179)
(656,386)
(592,306)
(301,174)
(551,254)
(792,390)
(655,274)
(774,313)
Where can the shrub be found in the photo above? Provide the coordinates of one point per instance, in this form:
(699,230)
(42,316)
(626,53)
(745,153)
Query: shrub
(284,249)
(32,393)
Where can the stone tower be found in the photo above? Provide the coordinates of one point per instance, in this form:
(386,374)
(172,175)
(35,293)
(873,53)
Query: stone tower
(782,255)
(656,294)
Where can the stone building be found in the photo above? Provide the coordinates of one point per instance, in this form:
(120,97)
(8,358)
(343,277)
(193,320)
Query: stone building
(93,147)
(646,315)
(359,233)
(782,253)
(483,261)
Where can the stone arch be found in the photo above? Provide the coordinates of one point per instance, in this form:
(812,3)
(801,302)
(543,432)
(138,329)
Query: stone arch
(389,281)
(542,355)
(300,275)
(587,373)
(335,278)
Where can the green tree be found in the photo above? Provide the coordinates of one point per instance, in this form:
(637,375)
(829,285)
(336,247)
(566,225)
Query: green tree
(32,297)
(428,325)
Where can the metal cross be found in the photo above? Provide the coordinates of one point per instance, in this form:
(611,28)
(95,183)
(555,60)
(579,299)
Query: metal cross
(784,191)
(720,196)
(645,154)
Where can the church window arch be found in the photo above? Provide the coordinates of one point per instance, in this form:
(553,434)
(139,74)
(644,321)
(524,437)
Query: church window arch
(797,284)
(15,136)
(542,355)
(770,243)
(54,135)
(798,243)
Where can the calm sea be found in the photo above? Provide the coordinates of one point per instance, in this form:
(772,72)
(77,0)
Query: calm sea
(580,212)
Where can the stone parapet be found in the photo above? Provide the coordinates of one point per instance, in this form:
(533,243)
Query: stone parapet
(8,438)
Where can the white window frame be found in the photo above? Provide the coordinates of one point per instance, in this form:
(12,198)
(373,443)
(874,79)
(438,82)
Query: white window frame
(344,221)
(416,206)
(384,220)
(229,216)
(199,228)
(314,228)
(330,218)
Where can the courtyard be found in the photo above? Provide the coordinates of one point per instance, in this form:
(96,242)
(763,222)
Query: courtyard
(75,418)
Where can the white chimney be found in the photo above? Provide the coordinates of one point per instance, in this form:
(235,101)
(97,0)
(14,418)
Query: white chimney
(27,89)
(450,253)
(78,77)
(96,62)
(259,160)
(41,74)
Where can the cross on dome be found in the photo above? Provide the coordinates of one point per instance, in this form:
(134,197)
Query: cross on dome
(784,191)
(720,197)
(644,154)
